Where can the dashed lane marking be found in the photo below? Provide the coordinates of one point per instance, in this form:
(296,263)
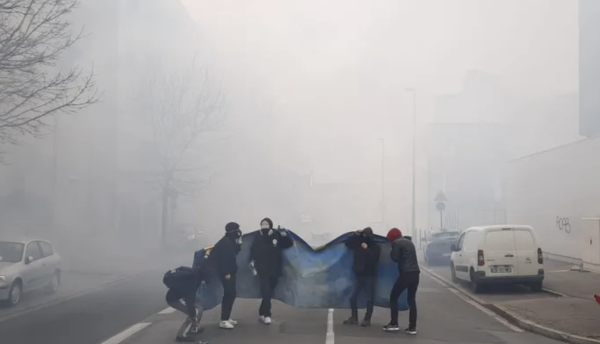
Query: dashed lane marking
(168,310)
(330,335)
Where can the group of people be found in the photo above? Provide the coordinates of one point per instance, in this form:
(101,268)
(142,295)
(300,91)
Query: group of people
(266,262)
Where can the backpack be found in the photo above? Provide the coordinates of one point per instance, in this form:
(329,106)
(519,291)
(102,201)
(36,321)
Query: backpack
(178,278)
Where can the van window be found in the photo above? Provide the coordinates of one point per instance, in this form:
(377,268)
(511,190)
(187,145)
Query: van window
(524,240)
(500,240)
(471,241)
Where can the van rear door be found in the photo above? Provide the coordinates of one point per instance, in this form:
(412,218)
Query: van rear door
(500,253)
(526,247)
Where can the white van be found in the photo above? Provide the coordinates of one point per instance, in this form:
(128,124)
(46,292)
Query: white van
(498,254)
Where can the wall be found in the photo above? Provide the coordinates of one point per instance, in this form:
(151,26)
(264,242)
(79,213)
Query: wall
(553,190)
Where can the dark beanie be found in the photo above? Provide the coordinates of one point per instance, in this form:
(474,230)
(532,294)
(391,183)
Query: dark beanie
(232,227)
(268,220)
(368,231)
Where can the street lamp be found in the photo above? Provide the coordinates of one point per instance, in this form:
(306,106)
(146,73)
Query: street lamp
(382,182)
(414,135)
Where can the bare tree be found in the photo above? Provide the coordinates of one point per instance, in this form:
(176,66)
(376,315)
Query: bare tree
(183,107)
(33,36)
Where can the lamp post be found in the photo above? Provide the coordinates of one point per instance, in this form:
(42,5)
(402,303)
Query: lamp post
(414,136)
(382,182)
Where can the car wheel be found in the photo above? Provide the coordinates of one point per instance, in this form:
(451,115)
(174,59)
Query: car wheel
(52,287)
(536,286)
(475,287)
(453,271)
(14,295)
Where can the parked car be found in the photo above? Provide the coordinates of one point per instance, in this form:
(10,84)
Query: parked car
(438,246)
(25,266)
(500,254)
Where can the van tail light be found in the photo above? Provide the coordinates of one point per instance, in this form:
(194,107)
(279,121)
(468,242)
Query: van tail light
(540,256)
(480,258)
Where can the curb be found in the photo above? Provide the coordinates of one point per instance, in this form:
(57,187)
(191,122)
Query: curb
(518,320)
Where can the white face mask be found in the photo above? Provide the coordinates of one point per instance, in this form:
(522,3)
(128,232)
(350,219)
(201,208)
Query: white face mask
(264,225)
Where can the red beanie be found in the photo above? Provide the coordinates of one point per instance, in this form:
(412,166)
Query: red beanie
(394,234)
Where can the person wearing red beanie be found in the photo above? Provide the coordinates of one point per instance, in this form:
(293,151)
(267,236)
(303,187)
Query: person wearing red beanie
(404,254)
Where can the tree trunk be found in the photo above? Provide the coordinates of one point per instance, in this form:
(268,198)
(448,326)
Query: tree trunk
(165,214)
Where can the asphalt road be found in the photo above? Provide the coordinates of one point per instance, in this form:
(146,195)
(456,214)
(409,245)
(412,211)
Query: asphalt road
(90,318)
(444,317)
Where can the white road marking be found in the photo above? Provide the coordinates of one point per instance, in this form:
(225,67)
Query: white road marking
(126,333)
(168,310)
(330,335)
(470,299)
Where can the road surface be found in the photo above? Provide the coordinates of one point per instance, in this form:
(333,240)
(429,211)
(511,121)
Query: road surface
(134,312)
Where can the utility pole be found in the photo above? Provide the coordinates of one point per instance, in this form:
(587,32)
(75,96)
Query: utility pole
(414,140)
(382,182)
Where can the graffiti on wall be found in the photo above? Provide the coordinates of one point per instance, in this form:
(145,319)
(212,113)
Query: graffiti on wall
(563,224)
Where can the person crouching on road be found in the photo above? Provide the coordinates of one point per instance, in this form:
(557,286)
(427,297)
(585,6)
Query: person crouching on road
(183,284)
(366,257)
(404,254)
(266,255)
(224,255)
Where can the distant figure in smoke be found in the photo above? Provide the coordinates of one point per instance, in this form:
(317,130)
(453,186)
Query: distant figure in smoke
(366,257)
(404,254)
(266,255)
(223,256)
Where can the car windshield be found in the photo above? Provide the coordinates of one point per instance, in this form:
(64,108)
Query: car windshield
(11,252)
(444,236)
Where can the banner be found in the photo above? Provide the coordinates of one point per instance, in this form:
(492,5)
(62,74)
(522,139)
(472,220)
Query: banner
(319,277)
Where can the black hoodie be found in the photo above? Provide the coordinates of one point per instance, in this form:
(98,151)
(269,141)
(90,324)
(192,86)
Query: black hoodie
(225,251)
(267,250)
(365,259)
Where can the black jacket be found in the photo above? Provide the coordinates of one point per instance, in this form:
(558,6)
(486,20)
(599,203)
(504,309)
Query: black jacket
(224,256)
(404,254)
(267,252)
(365,260)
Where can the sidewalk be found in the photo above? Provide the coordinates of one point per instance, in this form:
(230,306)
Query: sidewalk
(573,315)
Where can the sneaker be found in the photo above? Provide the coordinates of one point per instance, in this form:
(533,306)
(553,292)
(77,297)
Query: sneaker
(365,323)
(185,339)
(391,328)
(412,332)
(261,318)
(267,320)
(226,325)
(351,321)
(232,322)
(195,330)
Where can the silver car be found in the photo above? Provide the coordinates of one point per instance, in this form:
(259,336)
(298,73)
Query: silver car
(27,265)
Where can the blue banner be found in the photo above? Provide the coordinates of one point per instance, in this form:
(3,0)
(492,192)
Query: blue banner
(319,277)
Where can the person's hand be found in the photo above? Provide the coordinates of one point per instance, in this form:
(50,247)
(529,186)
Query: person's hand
(227,277)
(363,245)
(358,232)
(282,232)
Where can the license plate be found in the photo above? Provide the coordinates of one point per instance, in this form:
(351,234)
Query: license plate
(501,269)
(447,254)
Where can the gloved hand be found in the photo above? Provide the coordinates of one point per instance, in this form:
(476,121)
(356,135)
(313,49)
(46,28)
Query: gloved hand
(282,231)
(359,232)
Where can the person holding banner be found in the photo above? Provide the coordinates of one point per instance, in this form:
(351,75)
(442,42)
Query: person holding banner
(404,254)
(366,257)
(266,255)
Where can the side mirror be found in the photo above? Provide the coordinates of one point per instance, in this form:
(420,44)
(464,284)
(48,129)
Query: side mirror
(28,259)
(453,248)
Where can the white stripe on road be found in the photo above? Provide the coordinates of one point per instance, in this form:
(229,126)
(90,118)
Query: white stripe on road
(126,333)
(168,310)
(470,299)
(330,335)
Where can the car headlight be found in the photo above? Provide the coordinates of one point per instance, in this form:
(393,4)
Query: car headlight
(3,280)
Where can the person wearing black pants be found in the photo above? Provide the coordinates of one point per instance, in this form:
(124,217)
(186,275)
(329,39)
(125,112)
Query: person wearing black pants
(224,255)
(404,254)
(366,257)
(266,256)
